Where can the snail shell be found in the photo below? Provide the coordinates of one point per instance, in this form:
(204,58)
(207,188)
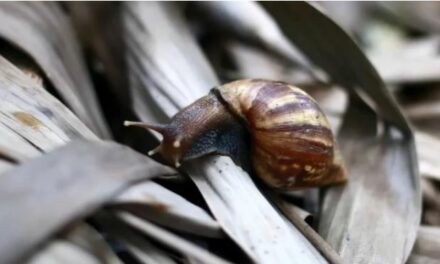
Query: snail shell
(291,145)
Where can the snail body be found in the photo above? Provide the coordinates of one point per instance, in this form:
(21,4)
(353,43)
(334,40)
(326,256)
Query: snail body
(283,129)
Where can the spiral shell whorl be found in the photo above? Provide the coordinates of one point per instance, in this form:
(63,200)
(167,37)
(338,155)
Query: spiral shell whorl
(292,141)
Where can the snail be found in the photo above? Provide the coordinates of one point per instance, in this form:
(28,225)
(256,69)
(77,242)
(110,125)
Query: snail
(280,127)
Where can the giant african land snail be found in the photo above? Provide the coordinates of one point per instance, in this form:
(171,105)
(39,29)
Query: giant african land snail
(291,145)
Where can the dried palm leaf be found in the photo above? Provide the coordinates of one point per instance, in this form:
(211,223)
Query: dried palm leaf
(352,16)
(384,183)
(416,259)
(427,149)
(250,23)
(67,184)
(425,112)
(100,29)
(21,94)
(151,201)
(431,202)
(165,237)
(299,218)
(5,166)
(60,251)
(91,241)
(292,209)
(428,242)
(423,16)
(31,112)
(142,249)
(42,31)
(149,48)
(407,70)
(15,147)
(256,64)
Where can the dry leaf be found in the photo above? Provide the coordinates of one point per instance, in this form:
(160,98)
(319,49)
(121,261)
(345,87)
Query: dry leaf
(91,241)
(43,32)
(60,251)
(381,203)
(428,242)
(173,241)
(33,113)
(151,201)
(67,184)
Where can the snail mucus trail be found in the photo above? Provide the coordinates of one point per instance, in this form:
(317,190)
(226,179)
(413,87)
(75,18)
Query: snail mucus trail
(275,126)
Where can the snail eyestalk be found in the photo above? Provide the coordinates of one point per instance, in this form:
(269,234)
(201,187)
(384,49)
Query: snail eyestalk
(168,151)
(156,127)
(154,151)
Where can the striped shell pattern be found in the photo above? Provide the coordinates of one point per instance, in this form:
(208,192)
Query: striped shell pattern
(292,144)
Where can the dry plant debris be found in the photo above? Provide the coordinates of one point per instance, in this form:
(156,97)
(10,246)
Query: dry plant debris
(78,187)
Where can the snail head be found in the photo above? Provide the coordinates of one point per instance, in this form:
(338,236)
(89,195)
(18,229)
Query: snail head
(202,128)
